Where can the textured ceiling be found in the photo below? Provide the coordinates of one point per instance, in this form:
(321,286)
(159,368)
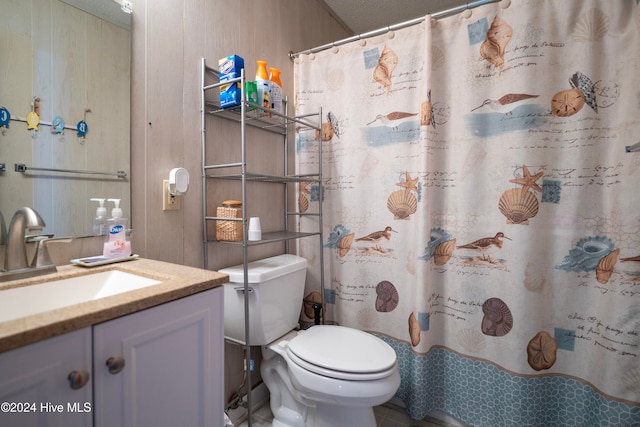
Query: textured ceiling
(361,16)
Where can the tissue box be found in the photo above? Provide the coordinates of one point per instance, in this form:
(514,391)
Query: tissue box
(230,67)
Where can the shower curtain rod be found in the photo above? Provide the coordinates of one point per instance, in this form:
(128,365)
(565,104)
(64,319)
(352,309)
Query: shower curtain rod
(436,15)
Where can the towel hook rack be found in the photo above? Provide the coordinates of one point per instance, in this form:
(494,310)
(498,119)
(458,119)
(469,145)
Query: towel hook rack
(21,167)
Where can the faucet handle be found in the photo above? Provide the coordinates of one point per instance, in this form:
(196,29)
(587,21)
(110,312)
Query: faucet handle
(41,257)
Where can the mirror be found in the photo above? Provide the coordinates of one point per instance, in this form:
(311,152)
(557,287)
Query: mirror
(68,61)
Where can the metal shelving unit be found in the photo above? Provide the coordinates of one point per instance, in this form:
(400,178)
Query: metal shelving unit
(252,115)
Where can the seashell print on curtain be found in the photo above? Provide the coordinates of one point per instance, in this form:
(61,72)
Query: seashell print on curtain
(481,211)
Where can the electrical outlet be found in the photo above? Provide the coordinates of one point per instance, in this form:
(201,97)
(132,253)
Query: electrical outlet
(169,201)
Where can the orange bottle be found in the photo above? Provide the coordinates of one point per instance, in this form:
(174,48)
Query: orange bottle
(262,81)
(276,90)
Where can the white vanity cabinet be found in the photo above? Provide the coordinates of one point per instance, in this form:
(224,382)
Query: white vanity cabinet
(162,366)
(48,383)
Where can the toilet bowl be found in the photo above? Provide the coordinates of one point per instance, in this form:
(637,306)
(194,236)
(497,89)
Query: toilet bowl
(325,376)
(328,376)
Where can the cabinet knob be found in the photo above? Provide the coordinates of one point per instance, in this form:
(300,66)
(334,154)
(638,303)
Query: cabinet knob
(115,364)
(78,379)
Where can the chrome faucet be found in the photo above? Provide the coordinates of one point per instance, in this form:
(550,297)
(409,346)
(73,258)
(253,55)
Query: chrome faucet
(15,255)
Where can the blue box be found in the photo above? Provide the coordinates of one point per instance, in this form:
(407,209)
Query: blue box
(230,95)
(230,67)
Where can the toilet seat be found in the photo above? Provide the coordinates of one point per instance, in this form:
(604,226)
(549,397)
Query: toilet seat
(342,353)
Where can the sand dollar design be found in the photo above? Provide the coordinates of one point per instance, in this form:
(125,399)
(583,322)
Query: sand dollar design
(541,351)
(567,102)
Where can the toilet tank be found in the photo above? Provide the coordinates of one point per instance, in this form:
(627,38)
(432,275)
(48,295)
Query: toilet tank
(276,288)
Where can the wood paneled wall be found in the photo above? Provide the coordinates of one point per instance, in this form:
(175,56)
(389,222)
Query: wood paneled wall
(169,39)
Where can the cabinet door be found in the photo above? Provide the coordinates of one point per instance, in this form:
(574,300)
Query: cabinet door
(166,365)
(35,388)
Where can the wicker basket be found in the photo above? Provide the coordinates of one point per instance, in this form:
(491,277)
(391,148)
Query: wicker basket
(230,231)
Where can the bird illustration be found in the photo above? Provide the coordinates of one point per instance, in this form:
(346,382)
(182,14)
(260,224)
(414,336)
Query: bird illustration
(507,102)
(486,245)
(376,236)
(391,117)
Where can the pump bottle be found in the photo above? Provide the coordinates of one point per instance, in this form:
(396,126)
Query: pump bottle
(100,221)
(116,244)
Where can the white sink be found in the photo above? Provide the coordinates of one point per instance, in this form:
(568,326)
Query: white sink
(33,299)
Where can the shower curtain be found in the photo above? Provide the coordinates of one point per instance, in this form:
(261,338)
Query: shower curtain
(481,211)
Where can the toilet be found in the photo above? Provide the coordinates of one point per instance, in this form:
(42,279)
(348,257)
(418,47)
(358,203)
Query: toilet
(325,376)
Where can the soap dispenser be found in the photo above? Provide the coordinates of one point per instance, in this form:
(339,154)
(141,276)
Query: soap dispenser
(100,221)
(116,244)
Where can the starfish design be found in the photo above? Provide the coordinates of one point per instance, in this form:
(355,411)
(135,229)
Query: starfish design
(409,183)
(528,181)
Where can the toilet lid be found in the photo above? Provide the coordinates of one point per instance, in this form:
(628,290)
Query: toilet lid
(338,349)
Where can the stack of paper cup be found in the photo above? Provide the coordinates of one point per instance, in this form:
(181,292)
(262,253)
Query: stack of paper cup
(255,233)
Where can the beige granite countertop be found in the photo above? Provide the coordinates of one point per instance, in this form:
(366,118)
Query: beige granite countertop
(177,281)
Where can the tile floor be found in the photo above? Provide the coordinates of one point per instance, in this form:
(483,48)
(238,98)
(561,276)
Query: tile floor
(386,416)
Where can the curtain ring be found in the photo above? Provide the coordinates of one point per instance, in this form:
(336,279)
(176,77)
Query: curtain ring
(466,13)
